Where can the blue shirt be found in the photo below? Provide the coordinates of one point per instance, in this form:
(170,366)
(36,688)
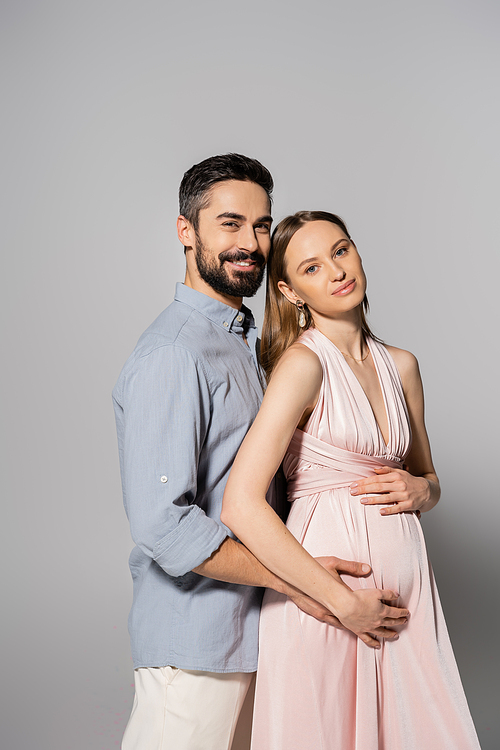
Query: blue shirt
(183,403)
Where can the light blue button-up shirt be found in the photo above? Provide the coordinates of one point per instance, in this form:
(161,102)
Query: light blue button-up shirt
(183,403)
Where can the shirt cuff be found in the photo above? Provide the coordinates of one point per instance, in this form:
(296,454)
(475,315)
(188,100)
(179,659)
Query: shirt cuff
(190,544)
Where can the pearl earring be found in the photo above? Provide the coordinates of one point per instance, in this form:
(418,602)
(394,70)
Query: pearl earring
(302,318)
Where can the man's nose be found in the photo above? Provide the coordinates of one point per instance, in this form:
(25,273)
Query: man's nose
(247,239)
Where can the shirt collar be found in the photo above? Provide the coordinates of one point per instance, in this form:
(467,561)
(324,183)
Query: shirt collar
(238,321)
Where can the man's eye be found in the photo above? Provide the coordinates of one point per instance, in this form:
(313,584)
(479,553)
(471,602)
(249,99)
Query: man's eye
(263,228)
(229,224)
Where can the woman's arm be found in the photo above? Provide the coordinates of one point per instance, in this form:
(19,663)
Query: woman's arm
(418,488)
(293,390)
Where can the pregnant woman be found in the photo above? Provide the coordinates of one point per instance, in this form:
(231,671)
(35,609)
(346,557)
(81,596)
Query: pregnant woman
(345,414)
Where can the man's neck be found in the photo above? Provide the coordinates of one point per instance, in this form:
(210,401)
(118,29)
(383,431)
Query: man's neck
(196,282)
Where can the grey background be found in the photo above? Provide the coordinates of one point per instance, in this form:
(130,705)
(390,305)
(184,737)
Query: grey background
(384,111)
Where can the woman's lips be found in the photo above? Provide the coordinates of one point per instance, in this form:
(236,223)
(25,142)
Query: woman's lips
(345,288)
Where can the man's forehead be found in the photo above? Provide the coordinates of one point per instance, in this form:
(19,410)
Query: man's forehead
(237,197)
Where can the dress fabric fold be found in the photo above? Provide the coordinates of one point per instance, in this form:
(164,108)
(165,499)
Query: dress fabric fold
(320,687)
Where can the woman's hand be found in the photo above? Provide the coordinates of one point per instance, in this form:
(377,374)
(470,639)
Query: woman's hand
(397,488)
(367,614)
(366,611)
(335,566)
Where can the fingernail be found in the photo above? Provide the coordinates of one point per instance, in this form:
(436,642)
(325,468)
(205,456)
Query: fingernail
(365,568)
(396,638)
(354,484)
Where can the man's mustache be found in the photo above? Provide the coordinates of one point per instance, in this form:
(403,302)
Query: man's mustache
(232,256)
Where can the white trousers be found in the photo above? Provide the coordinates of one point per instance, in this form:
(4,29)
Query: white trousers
(177,709)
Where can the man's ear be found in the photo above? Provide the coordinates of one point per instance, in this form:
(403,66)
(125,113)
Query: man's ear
(287,292)
(185,232)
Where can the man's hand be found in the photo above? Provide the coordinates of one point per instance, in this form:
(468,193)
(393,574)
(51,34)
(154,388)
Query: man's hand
(397,488)
(335,566)
(312,608)
(372,601)
(387,615)
(367,613)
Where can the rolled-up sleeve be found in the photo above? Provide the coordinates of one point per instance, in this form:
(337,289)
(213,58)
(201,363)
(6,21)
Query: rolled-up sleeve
(164,413)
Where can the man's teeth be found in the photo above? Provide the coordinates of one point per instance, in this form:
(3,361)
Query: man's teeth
(242,262)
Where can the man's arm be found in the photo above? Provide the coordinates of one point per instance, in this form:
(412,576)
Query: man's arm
(163,410)
(234,563)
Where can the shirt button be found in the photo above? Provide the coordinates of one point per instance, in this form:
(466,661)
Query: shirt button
(163,479)
(239,318)
(225,324)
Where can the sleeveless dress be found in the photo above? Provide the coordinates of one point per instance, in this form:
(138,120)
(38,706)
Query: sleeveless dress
(320,687)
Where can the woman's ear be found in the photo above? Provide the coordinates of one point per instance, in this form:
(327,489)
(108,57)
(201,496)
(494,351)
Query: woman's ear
(287,292)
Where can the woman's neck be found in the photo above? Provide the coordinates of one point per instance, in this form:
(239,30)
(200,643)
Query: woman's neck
(346,333)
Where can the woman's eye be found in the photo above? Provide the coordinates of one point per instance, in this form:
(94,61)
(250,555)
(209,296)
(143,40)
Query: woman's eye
(340,251)
(311,269)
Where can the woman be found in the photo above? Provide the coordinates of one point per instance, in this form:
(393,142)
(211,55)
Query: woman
(344,412)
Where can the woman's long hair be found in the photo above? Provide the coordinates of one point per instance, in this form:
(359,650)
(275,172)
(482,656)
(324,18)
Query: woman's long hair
(281,322)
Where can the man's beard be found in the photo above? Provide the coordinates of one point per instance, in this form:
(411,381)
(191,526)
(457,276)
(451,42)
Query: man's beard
(212,271)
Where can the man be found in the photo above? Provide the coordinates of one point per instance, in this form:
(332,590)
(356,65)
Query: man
(184,402)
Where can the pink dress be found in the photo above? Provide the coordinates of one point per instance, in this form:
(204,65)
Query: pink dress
(320,687)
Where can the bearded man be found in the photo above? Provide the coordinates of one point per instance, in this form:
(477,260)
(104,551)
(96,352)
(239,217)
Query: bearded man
(184,402)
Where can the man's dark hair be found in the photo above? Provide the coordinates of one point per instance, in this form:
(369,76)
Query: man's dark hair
(195,186)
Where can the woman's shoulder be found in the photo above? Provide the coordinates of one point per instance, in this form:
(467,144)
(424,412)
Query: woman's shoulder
(296,380)
(405,361)
(299,361)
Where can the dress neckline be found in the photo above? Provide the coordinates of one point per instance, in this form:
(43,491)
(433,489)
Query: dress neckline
(372,345)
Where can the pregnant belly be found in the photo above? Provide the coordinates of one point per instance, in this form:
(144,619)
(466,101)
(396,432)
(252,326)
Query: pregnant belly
(335,523)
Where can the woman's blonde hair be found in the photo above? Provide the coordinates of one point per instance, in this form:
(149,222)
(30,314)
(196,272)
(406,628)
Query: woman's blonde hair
(281,322)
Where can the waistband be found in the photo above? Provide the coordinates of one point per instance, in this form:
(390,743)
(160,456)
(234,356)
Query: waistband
(333,467)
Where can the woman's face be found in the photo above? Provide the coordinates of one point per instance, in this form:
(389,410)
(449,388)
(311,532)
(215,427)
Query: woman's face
(324,270)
